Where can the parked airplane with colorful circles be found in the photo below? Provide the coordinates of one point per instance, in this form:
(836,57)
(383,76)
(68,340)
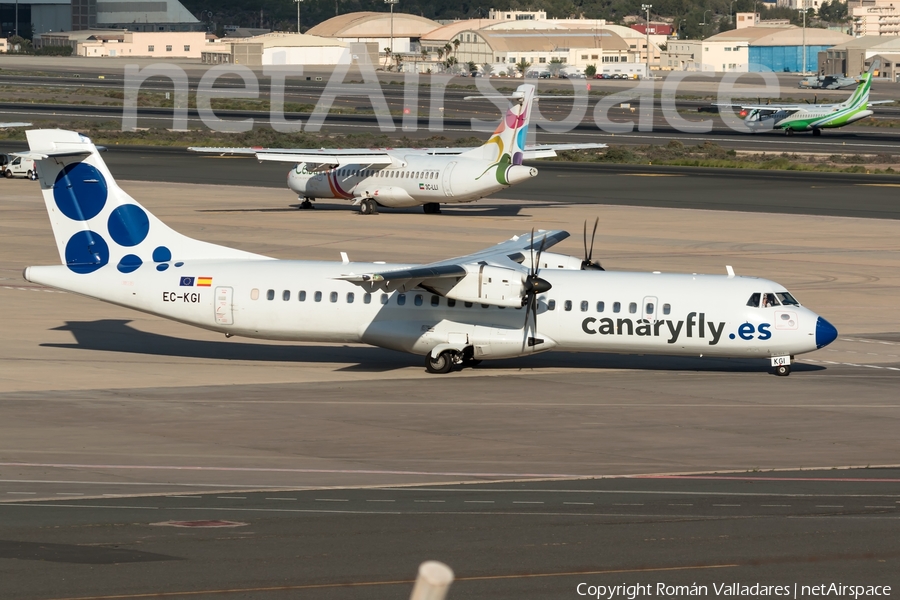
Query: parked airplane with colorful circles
(427,177)
(512,299)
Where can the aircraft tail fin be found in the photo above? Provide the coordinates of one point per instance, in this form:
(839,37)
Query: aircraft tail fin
(507,144)
(860,95)
(95,222)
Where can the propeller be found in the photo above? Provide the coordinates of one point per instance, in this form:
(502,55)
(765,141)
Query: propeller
(587,264)
(533,285)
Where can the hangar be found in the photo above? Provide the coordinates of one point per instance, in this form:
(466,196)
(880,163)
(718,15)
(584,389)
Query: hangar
(779,48)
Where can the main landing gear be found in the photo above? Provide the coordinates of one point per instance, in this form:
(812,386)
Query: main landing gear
(817,132)
(446,360)
(306,204)
(368,206)
(431,208)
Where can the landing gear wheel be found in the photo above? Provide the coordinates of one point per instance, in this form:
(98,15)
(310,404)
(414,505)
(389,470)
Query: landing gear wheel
(368,207)
(442,364)
(431,208)
(788,131)
(471,362)
(817,132)
(783,370)
(306,204)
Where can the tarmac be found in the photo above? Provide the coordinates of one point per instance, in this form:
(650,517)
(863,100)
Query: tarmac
(105,413)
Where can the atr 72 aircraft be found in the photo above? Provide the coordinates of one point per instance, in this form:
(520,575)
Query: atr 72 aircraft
(427,177)
(506,301)
(811,117)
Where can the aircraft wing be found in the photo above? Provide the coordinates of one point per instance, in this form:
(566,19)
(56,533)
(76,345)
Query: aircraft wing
(772,107)
(871,102)
(375,156)
(326,156)
(509,254)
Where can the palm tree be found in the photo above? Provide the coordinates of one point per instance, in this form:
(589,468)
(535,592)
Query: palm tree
(555,66)
(448,48)
(487,69)
(456,45)
(424,54)
(440,53)
(522,66)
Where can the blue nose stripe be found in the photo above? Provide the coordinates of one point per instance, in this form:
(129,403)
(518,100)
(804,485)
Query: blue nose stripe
(825,333)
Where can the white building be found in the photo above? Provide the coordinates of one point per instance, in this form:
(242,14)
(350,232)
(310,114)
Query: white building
(279,49)
(883,19)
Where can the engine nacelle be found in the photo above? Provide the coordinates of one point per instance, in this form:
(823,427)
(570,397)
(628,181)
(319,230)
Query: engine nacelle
(486,284)
(552,260)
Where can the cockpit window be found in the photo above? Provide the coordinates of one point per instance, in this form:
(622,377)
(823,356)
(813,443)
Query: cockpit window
(769,300)
(787,299)
(754,300)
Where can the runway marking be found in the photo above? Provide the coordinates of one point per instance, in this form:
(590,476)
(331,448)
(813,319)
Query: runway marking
(430,501)
(881,507)
(529,502)
(577,503)
(650,175)
(829,506)
(478,501)
(726,504)
(317,586)
(878,184)
(231,497)
(281,499)
(380,500)
(23,493)
(332,500)
(776,505)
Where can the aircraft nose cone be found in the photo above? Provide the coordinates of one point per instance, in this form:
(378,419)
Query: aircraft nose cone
(825,333)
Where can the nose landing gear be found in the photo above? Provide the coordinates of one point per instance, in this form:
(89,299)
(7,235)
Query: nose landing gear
(306,204)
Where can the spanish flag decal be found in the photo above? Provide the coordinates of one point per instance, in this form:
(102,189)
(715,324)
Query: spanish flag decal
(204,281)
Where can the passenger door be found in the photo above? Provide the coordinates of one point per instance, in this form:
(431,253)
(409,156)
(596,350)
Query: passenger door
(446,180)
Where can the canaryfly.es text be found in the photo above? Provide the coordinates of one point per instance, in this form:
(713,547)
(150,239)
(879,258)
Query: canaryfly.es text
(733,589)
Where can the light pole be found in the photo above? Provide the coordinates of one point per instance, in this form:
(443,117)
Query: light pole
(730,12)
(647,7)
(17,18)
(803,70)
(297,2)
(392,3)
(704,16)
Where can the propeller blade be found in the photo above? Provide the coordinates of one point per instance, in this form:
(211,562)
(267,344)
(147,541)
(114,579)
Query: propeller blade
(593,235)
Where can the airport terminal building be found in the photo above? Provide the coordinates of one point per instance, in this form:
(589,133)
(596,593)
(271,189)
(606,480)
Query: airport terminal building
(79,15)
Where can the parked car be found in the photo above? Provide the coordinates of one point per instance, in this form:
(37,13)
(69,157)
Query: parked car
(21,167)
(601,76)
(4,160)
(544,75)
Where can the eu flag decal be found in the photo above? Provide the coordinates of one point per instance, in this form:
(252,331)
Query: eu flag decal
(187,282)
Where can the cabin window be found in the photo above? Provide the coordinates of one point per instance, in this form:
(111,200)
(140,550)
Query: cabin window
(301,296)
(667,308)
(367,299)
(401,299)
(317,296)
(384,298)
(632,307)
(649,308)
(254,294)
(551,305)
(333,296)
(435,300)
(418,300)
(286,295)
(601,306)
(567,305)
(787,299)
(350,297)
(754,300)
(469,305)
(270,295)
(584,305)
(617,307)
(451,302)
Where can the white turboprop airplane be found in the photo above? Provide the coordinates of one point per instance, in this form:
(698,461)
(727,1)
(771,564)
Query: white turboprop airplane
(481,306)
(427,177)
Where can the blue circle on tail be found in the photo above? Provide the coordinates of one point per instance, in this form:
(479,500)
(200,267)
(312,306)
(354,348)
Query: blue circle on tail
(80,191)
(162,254)
(129,263)
(86,251)
(128,225)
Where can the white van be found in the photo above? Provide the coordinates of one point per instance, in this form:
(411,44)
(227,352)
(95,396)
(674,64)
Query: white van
(21,167)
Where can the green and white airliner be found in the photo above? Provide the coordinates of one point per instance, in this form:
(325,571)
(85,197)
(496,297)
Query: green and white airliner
(792,118)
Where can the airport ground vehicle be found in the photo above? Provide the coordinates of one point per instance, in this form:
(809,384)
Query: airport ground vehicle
(20,167)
